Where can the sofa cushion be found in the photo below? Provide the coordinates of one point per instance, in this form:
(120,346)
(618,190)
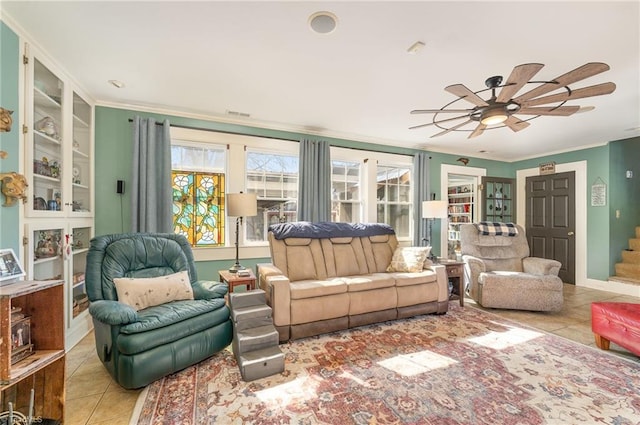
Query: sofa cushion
(170,322)
(317,288)
(409,279)
(141,293)
(369,282)
(408,259)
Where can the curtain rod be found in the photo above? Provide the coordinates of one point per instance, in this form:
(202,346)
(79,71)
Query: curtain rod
(238,133)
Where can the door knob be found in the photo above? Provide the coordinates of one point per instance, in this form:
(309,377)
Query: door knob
(570,233)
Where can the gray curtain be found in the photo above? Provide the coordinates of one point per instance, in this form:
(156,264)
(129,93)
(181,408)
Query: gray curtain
(151,203)
(421,193)
(314,181)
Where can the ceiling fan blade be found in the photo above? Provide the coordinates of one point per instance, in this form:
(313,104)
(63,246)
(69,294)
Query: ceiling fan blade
(478,131)
(559,111)
(437,111)
(597,90)
(455,127)
(520,76)
(516,124)
(438,122)
(585,71)
(465,93)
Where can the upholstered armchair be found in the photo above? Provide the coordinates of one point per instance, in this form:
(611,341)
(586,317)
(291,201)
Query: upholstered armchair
(151,315)
(499,273)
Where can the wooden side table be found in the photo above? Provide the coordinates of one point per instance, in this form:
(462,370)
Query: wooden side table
(455,273)
(233,280)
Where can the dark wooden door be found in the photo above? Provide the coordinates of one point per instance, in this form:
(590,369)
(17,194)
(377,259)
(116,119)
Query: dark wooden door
(550,223)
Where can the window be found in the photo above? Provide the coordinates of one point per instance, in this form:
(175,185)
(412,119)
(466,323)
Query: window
(198,193)
(345,191)
(394,198)
(274,179)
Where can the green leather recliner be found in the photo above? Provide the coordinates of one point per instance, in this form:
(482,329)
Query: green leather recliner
(139,347)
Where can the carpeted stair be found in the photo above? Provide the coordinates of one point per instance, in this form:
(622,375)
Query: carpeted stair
(255,339)
(630,266)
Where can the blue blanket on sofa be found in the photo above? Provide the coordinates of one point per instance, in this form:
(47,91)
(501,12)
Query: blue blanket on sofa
(306,229)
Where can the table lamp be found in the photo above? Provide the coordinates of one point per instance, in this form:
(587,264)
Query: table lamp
(432,210)
(240,205)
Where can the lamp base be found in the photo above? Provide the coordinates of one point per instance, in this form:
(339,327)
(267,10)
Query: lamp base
(236,268)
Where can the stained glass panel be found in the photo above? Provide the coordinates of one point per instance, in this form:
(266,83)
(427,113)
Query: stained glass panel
(198,207)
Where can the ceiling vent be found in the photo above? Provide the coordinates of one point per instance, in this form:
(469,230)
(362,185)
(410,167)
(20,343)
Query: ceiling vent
(238,114)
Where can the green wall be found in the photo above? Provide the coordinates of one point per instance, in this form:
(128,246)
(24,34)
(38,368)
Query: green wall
(10,141)
(624,196)
(113,154)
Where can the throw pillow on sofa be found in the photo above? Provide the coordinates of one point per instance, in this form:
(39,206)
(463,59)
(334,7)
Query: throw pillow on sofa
(141,293)
(408,259)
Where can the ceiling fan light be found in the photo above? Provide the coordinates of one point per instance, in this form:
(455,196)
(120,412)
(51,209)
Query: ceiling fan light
(493,117)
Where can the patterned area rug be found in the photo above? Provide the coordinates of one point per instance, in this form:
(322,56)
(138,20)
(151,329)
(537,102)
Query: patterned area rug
(465,367)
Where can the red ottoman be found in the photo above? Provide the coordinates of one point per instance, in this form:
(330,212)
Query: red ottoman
(617,322)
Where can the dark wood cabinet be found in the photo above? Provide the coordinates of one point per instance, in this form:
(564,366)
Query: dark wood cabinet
(498,199)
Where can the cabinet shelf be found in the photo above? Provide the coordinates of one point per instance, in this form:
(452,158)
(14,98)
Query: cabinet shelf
(80,154)
(79,121)
(46,138)
(43,260)
(43,100)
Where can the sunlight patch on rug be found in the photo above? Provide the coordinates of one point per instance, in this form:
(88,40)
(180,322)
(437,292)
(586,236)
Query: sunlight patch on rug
(296,391)
(501,340)
(416,363)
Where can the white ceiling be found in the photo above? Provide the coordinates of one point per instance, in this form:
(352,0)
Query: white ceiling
(359,82)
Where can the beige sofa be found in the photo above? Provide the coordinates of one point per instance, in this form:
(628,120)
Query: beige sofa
(330,276)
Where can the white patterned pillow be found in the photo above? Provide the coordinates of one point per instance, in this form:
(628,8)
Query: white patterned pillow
(141,293)
(408,259)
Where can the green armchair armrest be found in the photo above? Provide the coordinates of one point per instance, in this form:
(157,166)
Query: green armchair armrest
(113,312)
(209,289)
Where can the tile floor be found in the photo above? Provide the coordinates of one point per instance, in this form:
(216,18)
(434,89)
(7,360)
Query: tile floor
(94,398)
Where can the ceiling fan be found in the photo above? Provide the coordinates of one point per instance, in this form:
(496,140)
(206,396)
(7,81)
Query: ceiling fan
(502,109)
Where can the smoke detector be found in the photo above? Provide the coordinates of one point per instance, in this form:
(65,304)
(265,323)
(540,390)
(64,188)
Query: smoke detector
(323,22)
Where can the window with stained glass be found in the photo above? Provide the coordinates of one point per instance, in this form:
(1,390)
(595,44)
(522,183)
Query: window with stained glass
(198,182)
(198,207)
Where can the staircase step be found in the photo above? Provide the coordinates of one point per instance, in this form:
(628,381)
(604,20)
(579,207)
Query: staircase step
(239,315)
(247,299)
(632,257)
(260,363)
(628,270)
(634,244)
(254,339)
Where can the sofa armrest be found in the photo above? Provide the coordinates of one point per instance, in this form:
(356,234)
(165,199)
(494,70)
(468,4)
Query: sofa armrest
(209,289)
(276,288)
(473,266)
(535,265)
(442,280)
(113,312)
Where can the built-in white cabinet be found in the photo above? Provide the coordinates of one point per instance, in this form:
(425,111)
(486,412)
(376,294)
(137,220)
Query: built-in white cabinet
(461,206)
(59,214)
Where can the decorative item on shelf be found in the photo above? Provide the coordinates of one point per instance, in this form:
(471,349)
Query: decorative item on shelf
(432,210)
(21,346)
(5,120)
(76,145)
(83,302)
(55,169)
(48,245)
(240,205)
(76,175)
(14,187)
(39,204)
(48,126)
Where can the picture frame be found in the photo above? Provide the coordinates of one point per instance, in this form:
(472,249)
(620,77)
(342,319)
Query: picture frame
(11,270)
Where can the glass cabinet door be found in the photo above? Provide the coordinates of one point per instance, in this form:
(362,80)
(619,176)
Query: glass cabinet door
(47,151)
(81,155)
(499,199)
(79,241)
(46,245)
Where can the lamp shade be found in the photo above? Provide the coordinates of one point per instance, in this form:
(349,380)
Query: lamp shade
(434,209)
(242,204)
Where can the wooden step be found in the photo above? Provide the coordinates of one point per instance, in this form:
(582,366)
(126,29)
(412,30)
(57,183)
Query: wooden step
(628,270)
(634,244)
(632,257)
